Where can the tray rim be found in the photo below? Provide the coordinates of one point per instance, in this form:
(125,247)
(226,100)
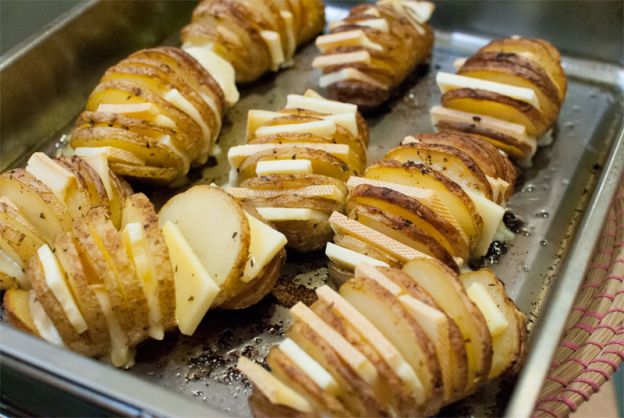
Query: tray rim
(67,370)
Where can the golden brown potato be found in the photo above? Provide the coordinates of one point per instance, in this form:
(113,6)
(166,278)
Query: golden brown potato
(16,304)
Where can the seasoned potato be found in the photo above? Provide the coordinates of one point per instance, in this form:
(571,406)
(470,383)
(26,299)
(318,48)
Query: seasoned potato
(16,303)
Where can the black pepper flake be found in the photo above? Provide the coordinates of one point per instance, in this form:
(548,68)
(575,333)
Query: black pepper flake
(42,216)
(191,298)
(234,235)
(476,118)
(176,268)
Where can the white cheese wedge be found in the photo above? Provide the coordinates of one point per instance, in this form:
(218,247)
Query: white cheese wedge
(494,318)
(380,24)
(238,154)
(372,11)
(349,74)
(167,142)
(265,168)
(257,117)
(349,258)
(310,367)
(514,130)
(11,268)
(137,247)
(492,215)
(447,82)
(176,98)
(43,323)
(274,44)
(120,354)
(99,163)
(349,354)
(164,121)
(388,352)
(318,104)
(144,110)
(265,243)
(356,57)
(499,188)
(320,127)
(195,289)
(356,37)
(272,388)
(52,174)
(112,154)
(421,10)
(220,69)
(435,324)
(324,191)
(346,120)
(57,283)
(346,226)
(289,22)
(292,214)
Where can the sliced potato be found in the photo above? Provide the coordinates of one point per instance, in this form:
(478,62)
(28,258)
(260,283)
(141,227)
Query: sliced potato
(217,229)
(138,208)
(16,303)
(447,191)
(93,182)
(447,235)
(448,292)
(39,206)
(19,238)
(156,175)
(365,248)
(381,307)
(508,346)
(451,162)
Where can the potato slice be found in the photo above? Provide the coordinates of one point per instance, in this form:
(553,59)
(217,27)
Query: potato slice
(447,191)
(138,208)
(451,162)
(402,386)
(7,281)
(448,292)
(355,374)
(366,248)
(447,235)
(92,181)
(292,181)
(39,206)
(440,328)
(156,175)
(67,254)
(217,229)
(508,346)
(372,297)
(498,106)
(292,374)
(16,305)
(19,238)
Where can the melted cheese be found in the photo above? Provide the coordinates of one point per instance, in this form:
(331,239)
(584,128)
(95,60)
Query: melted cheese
(274,44)
(99,163)
(120,354)
(238,154)
(380,24)
(494,318)
(326,43)
(349,74)
(492,215)
(355,57)
(318,104)
(289,22)
(176,98)
(112,154)
(265,168)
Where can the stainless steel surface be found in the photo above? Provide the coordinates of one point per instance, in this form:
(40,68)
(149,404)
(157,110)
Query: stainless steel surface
(568,185)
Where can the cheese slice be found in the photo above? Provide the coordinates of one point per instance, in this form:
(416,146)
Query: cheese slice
(56,177)
(356,37)
(411,191)
(349,354)
(143,110)
(220,69)
(112,154)
(421,10)
(43,323)
(195,289)
(57,283)
(356,57)
(238,154)
(99,163)
(376,339)
(272,388)
(373,11)
(320,127)
(380,24)
(499,188)
(265,243)
(289,22)
(447,82)
(176,98)
(343,225)
(514,130)
(11,268)
(349,258)
(167,142)
(274,44)
(324,191)
(265,168)
(257,118)
(135,242)
(492,215)
(436,325)
(291,214)
(349,74)
(318,104)
(494,318)
(120,353)
(310,367)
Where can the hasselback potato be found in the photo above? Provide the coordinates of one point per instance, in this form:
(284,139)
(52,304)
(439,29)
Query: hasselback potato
(295,163)
(372,51)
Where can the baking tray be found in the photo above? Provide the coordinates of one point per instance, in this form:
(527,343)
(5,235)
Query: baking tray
(563,199)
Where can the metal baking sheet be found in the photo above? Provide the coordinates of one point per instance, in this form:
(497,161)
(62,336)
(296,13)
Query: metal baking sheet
(568,185)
